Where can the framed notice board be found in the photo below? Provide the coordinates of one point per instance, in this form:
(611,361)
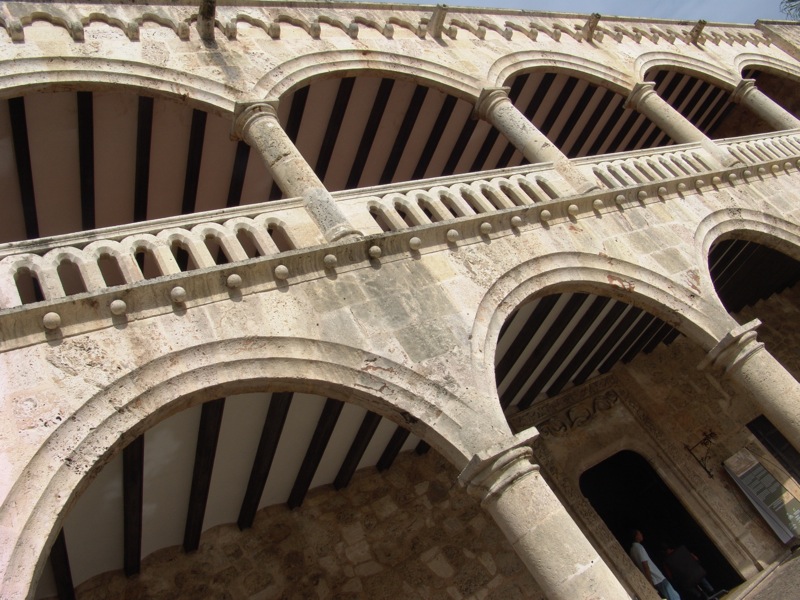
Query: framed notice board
(779,507)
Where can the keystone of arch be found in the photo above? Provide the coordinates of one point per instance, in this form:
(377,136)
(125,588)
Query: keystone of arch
(23,75)
(705,70)
(777,66)
(599,73)
(65,463)
(670,300)
(299,71)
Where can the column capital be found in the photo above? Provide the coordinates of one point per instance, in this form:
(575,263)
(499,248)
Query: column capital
(245,113)
(738,345)
(493,470)
(488,99)
(743,89)
(640,91)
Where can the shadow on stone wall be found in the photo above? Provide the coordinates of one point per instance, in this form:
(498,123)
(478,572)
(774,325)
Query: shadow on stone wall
(410,532)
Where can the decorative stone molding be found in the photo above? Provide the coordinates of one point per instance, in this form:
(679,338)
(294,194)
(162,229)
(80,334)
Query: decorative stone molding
(490,472)
(577,408)
(737,346)
(307,17)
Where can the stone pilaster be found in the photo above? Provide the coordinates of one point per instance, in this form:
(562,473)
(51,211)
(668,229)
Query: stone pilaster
(558,555)
(748,95)
(644,99)
(771,386)
(258,125)
(496,107)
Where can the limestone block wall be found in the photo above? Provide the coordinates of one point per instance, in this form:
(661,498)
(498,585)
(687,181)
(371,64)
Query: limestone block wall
(409,532)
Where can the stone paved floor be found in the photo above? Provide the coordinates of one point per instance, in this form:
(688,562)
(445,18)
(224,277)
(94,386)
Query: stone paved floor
(783,583)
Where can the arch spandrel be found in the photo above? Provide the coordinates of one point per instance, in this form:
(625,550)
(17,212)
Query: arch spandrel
(297,72)
(678,305)
(708,71)
(107,421)
(516,63)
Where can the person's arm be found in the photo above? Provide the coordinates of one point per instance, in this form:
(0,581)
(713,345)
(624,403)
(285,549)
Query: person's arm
(646,571)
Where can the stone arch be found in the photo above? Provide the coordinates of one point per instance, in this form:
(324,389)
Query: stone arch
(698,67)
(514,63)
(754,226)
(26,75)
(673,302)
(296,73)
(776,66)
(79,447)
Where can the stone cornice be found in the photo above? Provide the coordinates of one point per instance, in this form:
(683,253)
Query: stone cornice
(180,15)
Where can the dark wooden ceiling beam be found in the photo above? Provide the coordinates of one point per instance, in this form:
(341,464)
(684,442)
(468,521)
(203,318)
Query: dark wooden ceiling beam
(357,448)
(238,174)
(132,501)
(316,448)
(86,158)
(144,135)
(205,452)
(334,126)
(542,348)
(587,348)
(647,335)
(370,131)
(565,348)
(59,561)
(194,158)
(600,354)
(525,335)
(22,156)
(262,463)
(403,134)
(393,448)
(435,136)
(625,344)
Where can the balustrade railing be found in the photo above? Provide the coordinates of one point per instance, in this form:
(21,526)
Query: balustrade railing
(47,269)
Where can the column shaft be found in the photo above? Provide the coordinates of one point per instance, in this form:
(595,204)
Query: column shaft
(258,125)
(495,107)
(773,388)
(748,95)
(549,542)
(644,99)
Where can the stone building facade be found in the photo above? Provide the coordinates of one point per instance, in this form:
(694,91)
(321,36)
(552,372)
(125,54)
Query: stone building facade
(359,300)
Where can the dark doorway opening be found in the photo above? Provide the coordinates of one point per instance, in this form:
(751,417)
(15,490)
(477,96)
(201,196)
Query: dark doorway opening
(627,493)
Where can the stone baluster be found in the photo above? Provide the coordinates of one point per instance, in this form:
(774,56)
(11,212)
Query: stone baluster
(258,125)
(496,107)
(558,555)
(644,99)
(771,386)
(748,95)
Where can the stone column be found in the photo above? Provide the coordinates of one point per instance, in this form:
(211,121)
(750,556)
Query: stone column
(258,125)
(644,99)
(558,555)
(496,107)
(748,95)
(772,387)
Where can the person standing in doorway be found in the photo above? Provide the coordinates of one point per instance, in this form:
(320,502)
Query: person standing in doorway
(650,570)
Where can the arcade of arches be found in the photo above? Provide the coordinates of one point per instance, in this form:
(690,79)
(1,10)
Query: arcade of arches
(367,301)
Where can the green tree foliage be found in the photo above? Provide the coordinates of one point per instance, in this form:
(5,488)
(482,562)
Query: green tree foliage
(791,8)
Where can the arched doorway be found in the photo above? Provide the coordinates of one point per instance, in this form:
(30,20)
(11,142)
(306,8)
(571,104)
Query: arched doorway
(627,493)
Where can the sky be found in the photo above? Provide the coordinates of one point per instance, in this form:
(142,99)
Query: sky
(717,11)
